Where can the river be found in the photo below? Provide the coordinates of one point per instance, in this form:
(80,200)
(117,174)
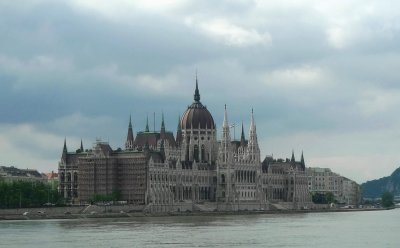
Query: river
(344,229)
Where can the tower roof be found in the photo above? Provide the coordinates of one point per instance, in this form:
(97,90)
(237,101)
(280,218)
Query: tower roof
(197,115)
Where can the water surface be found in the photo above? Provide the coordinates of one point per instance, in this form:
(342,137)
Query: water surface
(349,229)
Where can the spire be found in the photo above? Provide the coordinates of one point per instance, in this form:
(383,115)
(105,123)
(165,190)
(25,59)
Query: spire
(253,149)
(302,160)
(225,123)
(196,92)
(225,145)
(293,159)
(252,124)
(179,123)
(242,138)
(179,132)
(162,122)
(65,145)
(147,124)
(225,128)
(81,146)
(162,132)
(129,138)
(64,153)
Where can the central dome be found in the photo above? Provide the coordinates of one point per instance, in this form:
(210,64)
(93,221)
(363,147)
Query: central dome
(197,115)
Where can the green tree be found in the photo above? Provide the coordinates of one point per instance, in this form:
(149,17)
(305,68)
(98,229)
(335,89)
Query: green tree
(115,196)
(387,199)
(330,198)
(27,194)
(323,198)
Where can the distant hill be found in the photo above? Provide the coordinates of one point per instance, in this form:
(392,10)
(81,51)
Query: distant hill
(375,188)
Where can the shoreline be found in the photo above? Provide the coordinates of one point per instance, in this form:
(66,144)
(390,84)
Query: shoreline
(142,214)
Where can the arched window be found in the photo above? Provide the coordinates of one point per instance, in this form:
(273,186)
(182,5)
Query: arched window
(196,153)
(222,178)
(75,177)
(187,153)
(203,153)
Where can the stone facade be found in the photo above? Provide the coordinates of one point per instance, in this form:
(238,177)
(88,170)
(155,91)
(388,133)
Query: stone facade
(323,180)
(351,192)
(192,170)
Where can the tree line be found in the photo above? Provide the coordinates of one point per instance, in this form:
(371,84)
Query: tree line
(22,194)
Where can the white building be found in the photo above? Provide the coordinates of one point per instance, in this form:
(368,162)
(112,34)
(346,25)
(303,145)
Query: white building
(323,180)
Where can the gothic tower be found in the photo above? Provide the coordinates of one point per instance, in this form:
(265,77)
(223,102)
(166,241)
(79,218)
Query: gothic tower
(225,169)
(253,150)
(129,139)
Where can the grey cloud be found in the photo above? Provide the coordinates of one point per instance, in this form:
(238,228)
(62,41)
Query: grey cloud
(70,71)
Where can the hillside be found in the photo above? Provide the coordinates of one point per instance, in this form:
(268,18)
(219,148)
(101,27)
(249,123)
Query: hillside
(375,188)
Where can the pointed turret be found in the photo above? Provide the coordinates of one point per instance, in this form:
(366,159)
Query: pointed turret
(252,131)
(253,149)
(162,122)
(65,146)
(147,125)
(81,148)
(303,164)
(225,129)
(292,159)
(252,123)
(242,138)
(225,123)
(129,138)
(225,162)
(179,132)
(64,153)
(162,132)
(225,140)
(196,92)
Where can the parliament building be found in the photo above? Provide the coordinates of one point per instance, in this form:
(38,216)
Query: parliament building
(198,168)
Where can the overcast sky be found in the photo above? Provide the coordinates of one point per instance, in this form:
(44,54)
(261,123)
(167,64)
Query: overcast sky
(322,76)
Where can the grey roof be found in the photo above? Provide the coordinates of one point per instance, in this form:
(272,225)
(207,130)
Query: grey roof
(152,138)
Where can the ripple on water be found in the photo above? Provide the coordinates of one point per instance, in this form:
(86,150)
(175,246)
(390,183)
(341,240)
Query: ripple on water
(354,229)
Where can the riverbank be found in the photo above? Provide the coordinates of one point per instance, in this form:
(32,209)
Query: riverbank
(65,213)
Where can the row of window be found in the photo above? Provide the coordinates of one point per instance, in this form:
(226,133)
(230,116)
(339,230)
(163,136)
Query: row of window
(183,178)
